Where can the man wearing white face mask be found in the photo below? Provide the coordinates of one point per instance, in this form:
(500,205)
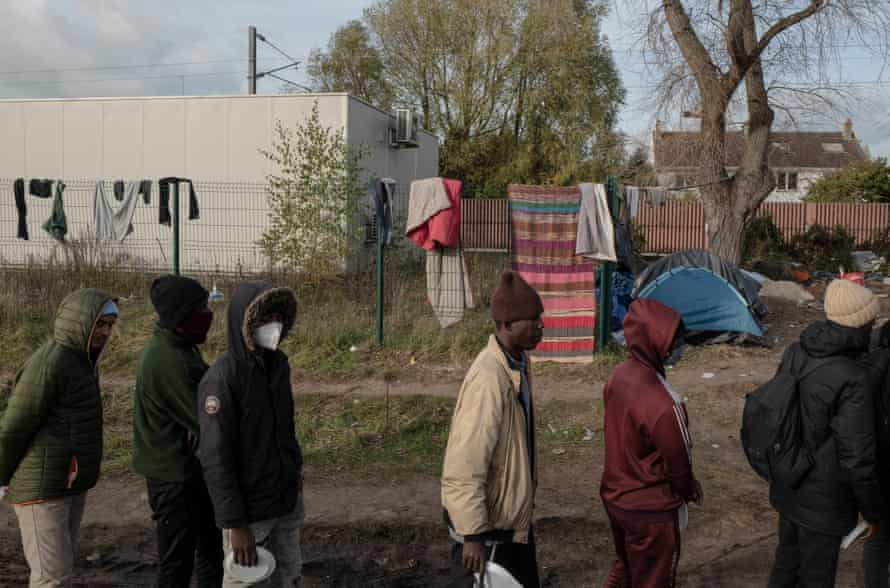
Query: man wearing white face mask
(248,449)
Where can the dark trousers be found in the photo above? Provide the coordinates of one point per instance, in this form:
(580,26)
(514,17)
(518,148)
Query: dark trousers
(520,559)
(648,549)
(876,557)
(804,558)
(188,539)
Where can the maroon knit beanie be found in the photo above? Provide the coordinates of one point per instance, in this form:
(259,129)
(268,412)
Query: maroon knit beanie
(514,300)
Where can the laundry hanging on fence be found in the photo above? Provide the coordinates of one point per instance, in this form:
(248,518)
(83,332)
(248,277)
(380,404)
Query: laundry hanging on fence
(657,196)
(380,200)
(114,225)
(164,216)
(595,237)
(57,224)
(145,190)
(119,190)
(41,188)
(448,285)
(434,213)
(632,196)
(434,225)
(544,221)
(21,207)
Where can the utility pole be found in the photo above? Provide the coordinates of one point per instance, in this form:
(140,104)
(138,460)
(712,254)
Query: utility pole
(251,60)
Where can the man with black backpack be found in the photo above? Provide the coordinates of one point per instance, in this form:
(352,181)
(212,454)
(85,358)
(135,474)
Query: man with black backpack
(819,506)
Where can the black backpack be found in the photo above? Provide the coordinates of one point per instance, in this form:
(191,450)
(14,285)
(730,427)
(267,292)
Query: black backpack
(771,428)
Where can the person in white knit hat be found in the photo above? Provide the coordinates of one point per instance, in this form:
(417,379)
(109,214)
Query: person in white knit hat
(837,427)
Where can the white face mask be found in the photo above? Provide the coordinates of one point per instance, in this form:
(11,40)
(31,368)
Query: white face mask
(268,336)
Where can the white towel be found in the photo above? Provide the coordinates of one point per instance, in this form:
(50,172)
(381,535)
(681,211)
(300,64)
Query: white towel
(596,233)
(114,225)
(448,285)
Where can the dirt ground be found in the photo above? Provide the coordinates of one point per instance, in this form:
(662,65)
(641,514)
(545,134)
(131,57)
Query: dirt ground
(389,532)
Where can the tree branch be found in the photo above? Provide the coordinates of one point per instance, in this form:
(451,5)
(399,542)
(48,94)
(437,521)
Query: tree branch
(703,67)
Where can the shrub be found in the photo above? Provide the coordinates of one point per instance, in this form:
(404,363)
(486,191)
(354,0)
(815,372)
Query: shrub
(763,241)
(313,198)
(823,248)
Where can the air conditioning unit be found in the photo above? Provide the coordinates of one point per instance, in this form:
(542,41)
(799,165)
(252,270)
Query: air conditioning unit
(405,133)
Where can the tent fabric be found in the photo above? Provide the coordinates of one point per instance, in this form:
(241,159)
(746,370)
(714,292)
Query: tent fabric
(744,284)
(706,301)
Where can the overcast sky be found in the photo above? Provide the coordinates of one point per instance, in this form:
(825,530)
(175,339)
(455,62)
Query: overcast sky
(48,46)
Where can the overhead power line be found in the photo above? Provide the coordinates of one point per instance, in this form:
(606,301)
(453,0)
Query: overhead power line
(132,79)
(119,67)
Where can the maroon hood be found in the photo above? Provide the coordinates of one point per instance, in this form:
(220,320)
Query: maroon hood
(649,329)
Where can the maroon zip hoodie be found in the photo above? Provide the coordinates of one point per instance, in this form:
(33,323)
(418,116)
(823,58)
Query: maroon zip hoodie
(647,462)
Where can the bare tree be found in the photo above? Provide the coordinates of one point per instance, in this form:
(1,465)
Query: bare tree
(712,52)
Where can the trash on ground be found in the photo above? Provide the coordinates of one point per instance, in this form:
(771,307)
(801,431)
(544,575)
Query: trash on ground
(788,291)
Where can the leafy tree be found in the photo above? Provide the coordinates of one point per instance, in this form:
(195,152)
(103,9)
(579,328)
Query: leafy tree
(867,181)
(313,197)
(518,90)
(351,64)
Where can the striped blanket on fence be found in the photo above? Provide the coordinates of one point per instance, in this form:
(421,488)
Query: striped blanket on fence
(544,221)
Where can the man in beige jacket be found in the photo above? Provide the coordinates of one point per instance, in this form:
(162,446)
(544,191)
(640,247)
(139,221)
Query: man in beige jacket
(489,476)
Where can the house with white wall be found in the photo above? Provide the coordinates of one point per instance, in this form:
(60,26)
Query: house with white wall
(797,159)
(216,141)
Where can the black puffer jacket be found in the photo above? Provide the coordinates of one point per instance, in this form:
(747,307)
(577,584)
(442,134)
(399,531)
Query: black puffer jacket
(838,427)
(249,450)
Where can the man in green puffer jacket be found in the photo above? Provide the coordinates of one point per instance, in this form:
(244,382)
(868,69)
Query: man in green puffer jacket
(51,435)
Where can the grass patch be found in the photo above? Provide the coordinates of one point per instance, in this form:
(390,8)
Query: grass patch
(368,439)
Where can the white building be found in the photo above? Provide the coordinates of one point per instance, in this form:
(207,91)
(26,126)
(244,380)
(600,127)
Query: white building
(216,141)
(796,158)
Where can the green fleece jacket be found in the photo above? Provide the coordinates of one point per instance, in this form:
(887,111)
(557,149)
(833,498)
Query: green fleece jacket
(51,430)
(167,377)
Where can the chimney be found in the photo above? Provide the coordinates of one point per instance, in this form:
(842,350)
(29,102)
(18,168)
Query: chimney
(848,130)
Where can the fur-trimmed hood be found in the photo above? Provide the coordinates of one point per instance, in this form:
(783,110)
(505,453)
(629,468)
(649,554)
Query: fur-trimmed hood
(251,303)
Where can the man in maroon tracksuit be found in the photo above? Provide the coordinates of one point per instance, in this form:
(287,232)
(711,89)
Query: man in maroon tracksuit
(647,479)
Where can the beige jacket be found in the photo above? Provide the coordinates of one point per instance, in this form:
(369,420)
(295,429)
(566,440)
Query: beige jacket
(487,482)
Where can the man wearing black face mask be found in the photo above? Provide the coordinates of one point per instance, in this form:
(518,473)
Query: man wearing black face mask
(166,434)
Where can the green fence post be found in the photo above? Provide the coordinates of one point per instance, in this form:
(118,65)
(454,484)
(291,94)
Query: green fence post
(176,243)
(604,307)
(379,281)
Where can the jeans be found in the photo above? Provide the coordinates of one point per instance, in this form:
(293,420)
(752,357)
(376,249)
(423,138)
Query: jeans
(188,539)
(804,558)
(281,537)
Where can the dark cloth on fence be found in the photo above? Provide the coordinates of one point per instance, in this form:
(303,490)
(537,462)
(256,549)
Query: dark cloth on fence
(145,190)
(164,216)
(187,535)
(41,188)
(119,190)
(804,558)
(22,208)
(57,224)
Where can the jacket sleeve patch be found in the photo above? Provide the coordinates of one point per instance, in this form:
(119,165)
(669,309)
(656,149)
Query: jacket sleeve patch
(211,405)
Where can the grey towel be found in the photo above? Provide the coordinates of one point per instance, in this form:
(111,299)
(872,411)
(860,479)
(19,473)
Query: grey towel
(114,225)
(632,193)
(596,232)
(657,196)
(448,285)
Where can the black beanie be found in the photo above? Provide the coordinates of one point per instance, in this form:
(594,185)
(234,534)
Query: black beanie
(175,297)
(514,300)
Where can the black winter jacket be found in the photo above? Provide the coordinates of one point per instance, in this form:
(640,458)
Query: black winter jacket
(248,447)
(838,428)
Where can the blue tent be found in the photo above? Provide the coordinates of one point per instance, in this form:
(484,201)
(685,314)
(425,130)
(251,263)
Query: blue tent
(706,301)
